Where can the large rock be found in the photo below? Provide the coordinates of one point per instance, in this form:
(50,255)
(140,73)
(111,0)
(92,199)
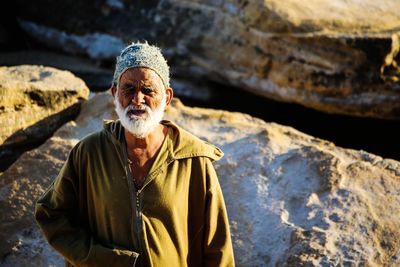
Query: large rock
(34,102)
(292,199)
(21,243)
(96,78)
(336,56)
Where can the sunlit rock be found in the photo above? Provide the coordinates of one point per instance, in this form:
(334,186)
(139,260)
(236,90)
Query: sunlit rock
(95,77)
(335,56)
(34,102)
(292,199)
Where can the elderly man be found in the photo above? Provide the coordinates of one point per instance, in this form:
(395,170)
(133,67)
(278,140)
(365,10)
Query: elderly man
(142,191)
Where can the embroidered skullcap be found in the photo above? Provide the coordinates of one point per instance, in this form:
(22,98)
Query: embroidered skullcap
(142,55)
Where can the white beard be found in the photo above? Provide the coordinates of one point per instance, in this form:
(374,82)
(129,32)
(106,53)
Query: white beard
(140,127)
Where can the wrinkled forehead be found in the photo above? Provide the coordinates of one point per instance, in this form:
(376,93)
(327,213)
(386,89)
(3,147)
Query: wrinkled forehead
(141,76)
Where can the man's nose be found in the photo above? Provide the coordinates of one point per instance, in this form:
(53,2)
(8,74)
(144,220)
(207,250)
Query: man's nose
(138,99)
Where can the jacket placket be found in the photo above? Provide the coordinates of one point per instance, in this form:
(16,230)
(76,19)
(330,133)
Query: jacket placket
(139,200)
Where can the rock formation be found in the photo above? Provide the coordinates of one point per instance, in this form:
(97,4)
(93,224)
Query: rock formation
(335,56)
(95,77)
(34,102)
(21,243)
(98,78)
(292,199)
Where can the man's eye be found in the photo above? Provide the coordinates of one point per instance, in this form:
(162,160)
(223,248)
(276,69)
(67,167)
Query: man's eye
(128,90)
(147,90)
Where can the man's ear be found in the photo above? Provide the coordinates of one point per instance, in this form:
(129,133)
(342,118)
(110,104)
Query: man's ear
(170,94)
(113,89)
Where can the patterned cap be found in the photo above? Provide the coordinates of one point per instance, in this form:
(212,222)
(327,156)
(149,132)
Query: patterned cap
(142,55)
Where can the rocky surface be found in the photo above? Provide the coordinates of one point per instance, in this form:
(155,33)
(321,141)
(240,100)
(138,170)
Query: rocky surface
(21,242)
(335,56)
(293,200)
(34,102)
(96,78)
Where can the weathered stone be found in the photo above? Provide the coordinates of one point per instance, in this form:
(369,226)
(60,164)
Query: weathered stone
(293,200)
(34,102)
(21,243)
(335,56)
(96,78)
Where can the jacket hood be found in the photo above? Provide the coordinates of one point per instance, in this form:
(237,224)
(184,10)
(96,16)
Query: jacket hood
(182,144)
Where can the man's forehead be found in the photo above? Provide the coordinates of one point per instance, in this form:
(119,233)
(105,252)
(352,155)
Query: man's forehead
(140,75)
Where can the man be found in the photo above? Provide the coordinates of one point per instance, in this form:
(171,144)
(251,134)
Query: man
(141,192)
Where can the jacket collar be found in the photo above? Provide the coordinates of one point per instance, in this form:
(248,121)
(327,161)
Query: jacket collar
(180,143)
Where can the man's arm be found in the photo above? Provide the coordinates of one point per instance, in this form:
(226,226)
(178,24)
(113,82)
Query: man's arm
(217,242)
(58,216)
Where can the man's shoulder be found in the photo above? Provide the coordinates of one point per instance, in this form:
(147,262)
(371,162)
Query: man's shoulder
(92,138)
(185,144)
(88,144)
(99,138)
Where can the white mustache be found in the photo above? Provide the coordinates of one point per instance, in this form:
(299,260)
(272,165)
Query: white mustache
(138,108)
(139,126)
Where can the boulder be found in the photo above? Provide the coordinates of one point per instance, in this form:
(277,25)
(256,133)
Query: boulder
(334,56)
(96,78)
(34,102)
(21,185)
(292,199)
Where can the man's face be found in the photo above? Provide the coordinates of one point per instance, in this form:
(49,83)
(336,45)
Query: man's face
(139,86)
(140,99)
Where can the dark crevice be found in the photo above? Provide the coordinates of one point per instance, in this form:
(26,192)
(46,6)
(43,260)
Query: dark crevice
(376,136)
(35,135)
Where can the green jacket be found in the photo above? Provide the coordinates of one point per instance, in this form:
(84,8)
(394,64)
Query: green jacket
(93,215)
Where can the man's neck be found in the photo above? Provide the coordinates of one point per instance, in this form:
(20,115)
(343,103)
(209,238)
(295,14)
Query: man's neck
(143,151)
(152,141)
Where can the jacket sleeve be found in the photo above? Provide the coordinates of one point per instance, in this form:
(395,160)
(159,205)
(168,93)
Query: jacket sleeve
(218,249)
(57,213)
